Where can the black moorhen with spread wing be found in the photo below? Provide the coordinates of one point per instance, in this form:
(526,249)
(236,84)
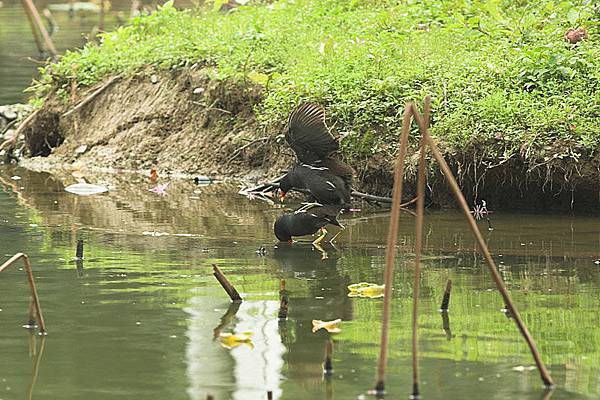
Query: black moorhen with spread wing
(306,220)
(327,178)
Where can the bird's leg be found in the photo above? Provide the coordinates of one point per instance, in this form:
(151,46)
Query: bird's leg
(342,228)
(320,249)
(321,237)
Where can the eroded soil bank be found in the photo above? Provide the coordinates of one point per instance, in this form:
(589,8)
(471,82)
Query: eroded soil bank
(185,122)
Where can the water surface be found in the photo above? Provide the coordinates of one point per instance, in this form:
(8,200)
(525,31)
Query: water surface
(140,316)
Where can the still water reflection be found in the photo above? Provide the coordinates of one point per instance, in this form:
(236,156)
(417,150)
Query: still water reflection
(142,316)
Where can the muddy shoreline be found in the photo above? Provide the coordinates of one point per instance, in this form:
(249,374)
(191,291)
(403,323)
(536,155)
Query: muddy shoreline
(185,123)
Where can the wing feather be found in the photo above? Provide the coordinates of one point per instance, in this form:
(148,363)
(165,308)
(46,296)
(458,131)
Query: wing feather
(308,135)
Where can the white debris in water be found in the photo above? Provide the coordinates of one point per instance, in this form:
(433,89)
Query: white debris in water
(138,323)
(521,368)
(15,178)
(154,233)
(86,189)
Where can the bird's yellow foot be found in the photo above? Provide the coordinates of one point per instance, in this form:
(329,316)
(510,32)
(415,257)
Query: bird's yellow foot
(320,238)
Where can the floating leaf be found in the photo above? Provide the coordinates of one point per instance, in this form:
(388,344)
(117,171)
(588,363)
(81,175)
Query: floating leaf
(86,189)
(329,326)
(364,289)
(232,340)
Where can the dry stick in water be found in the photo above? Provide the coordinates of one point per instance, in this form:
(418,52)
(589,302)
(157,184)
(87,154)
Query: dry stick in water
(484,250)
(327,365)
(283,301)
(418,248)
(233,294)
(30,8)
(34,295)
(79,251)
(446,299)
(391,250)
(269,395)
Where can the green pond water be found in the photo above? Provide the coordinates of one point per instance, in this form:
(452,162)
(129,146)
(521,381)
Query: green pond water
(19,57)
(140,317)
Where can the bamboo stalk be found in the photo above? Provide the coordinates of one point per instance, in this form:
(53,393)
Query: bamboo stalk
(28,4)
(34,295)
(233,294)
(418,249)
(546,378)
(391,251)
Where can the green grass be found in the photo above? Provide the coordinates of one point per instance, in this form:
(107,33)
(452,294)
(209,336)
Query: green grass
(501,75)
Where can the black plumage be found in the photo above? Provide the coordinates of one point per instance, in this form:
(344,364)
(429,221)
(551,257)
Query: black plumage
(318,170)
(305,221)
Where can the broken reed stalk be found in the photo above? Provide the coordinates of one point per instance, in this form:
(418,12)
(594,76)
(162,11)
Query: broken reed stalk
(328,364)
(30,8)
(418,248)
(34,295)
(446,298)
(545,375)
(391,250)
(79,251)
(233,294)
(283,301)
(34,31)
(269,395)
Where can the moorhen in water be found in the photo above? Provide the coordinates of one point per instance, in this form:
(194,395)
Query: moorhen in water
(327,178)
(307,220)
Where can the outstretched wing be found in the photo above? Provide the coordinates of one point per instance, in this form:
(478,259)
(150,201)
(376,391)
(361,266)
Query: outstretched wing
(308,135)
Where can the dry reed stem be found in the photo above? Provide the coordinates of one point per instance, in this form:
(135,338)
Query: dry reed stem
(34,295)
(391,249)
(546,378)
(229,288)
(418,248)
(30,8)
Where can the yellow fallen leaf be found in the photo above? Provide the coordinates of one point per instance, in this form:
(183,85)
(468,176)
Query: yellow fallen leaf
(329,326)
(232,340)
(364,289)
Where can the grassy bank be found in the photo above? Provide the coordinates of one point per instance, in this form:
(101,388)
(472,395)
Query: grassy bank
(503,79)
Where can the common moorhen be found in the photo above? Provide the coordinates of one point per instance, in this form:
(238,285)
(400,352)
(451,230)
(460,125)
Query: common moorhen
(327,178)
(306,220)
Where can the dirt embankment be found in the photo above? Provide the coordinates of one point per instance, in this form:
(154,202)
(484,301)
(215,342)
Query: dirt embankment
(180,122)
(184,121)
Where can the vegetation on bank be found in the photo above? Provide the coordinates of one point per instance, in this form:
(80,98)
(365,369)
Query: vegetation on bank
(502,76)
